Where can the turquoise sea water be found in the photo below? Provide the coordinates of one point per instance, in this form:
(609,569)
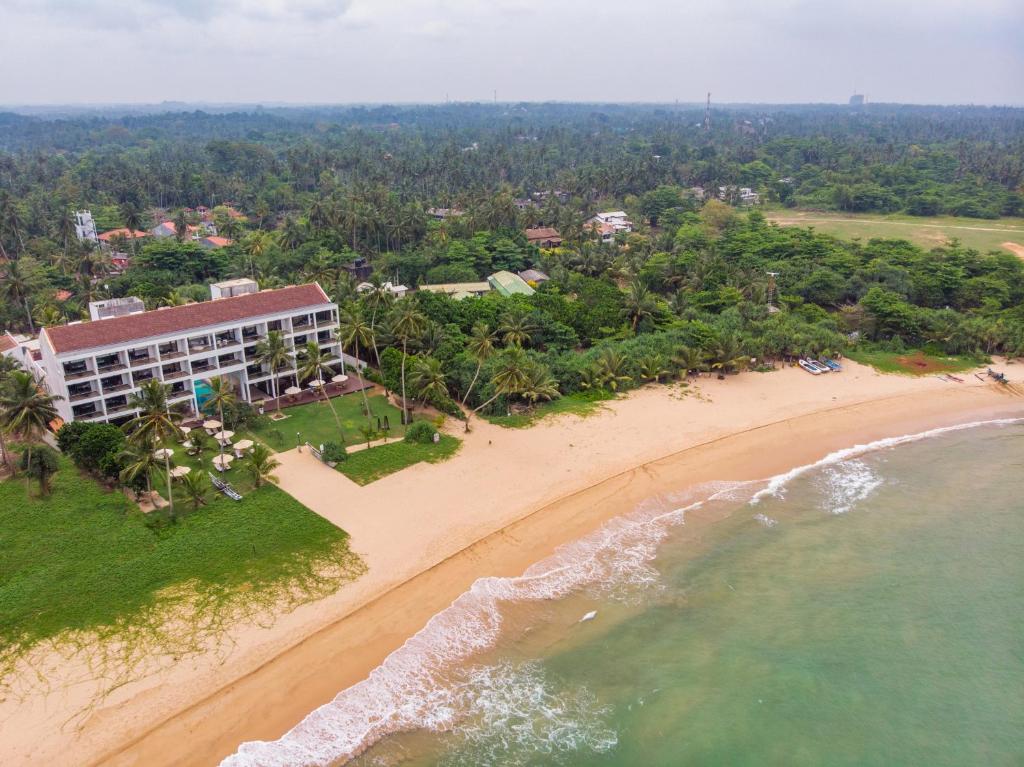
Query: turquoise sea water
(865,611)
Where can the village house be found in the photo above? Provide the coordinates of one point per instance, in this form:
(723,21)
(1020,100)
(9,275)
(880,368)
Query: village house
(544,237)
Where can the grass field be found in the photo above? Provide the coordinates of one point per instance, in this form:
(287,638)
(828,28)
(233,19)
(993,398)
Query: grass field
(915,363)
(581,404)
(85,560)
(369,465)
(981,234)
(316,424)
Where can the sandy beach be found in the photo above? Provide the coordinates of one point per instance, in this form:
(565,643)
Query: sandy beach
(506,500)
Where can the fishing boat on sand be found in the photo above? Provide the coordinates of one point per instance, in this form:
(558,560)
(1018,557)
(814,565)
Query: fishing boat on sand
(809,367)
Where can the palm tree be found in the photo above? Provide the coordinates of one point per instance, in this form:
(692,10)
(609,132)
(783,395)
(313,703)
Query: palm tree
(481,346)
(353,331)
(222,392)
(197,486)
(378,297)
(313,365)
(7,366)
(25,408)
(180,226)
(260,463)
(321,269)
(428,379)
(510,377)
(201,442)
(652,367)
(132,220)
(156,423)
(292,235)
(407,325)
(640,304)
(139,460)
(688,359)
(17,282)
(515,328)
(256,246)
(610,369)
(273,352)
(539,385)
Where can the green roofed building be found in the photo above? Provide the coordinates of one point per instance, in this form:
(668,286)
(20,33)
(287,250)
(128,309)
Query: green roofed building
(509,284)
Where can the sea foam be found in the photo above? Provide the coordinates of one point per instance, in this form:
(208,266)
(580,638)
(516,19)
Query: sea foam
(414,687)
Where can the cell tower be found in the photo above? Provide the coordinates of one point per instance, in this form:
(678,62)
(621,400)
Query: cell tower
(772,308)
(707,113)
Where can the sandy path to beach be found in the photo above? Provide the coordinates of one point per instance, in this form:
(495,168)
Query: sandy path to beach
(506,500)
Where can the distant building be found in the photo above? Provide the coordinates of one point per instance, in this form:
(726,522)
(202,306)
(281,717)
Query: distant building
(509,284)
(230,288)
(116,307)
(107,237)
(398,291)
(544,237)
(85,227)
(214,242)
(534,276)
(442,213)
(857,100)
(459,290)
(166,229)
(607,225)
(743,195)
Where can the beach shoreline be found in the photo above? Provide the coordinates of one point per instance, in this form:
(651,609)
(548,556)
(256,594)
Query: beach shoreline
(310,655)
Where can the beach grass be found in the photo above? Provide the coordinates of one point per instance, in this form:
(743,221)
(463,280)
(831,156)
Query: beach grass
(315,423)
(84,562)
(926,231)
(914,363)
(366,466)
(581,404)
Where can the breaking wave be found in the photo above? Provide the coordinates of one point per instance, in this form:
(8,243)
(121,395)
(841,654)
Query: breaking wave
(418,686)
(846,484)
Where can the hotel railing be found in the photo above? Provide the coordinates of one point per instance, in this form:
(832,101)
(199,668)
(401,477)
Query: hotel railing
(83,395)
(78,374)
(111,368)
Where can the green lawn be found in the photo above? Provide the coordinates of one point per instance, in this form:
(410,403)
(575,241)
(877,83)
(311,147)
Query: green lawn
(371,464)
(928,232)
(581,404)
(317,426)
(84,559)
(915,363)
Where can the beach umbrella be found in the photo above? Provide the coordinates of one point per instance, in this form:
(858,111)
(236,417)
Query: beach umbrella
(180,471)
(291,390)
(243,444)
(187,444)
(339,379)
(223,436)
(223,461)
(184,429)
(316,383)
(164,452)
(211,424)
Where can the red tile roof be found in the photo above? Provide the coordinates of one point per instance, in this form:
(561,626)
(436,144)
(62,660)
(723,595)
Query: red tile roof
(178,319)
(122,232)
(63,295)
(217,242)
(7,342)
(542,233)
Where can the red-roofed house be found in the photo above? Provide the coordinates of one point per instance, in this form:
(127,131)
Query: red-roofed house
(214,242)
(544,237)
(128,234)
(95,366)
(166,229)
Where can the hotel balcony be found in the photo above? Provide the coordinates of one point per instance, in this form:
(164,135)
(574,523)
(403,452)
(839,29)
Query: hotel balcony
(170,375)
(113,388)
(111,368)
(77,374)
(78,396)
(173,355)
(202,367)
(137,362)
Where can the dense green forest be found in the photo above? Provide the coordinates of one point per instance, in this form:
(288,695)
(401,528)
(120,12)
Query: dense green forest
(686,290)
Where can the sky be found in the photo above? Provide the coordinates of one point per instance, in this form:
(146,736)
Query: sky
(377,51)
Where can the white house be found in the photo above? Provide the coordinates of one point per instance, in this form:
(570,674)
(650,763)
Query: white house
(85,227)
(95,366)
(398,291)
(610,223)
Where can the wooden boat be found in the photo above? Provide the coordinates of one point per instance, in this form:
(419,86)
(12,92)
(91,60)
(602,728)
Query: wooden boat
(810,368)
(832,364)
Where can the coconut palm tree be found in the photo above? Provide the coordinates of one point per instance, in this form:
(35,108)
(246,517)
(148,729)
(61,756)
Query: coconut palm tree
(138,460)
(26,409)
(539,385)
(222,393)
(515,328)
(196,486)
(509,378)
(259,464)
(156,423)
(481,347)
(688,359)
(640,304)
(313,365)
(292,235)
(180,226)
(428,379)
(273,352)
(8,365)
(407,325)
(354,332)
(378,298)
(18,280)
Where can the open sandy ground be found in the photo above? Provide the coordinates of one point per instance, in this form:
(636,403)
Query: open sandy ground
(505,501)
(1016,249)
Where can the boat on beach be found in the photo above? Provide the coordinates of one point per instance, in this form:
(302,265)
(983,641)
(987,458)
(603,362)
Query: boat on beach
(832,364)
(809,366)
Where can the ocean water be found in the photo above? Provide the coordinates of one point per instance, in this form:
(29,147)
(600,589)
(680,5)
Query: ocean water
(866,610)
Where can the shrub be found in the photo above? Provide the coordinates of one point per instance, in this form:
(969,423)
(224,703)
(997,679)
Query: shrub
(420,432)
(333,452)
(40,462)
(96,444)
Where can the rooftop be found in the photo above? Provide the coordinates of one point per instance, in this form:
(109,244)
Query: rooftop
(177,319)
(122,232)
(509,284)
(451,288)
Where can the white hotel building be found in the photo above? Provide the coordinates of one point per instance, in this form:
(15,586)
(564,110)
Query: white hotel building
(95,366)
